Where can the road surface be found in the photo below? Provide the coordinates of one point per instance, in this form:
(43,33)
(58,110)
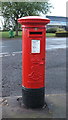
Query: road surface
(15,45)
(55,75)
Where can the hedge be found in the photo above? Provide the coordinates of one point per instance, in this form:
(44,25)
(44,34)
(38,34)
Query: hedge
(51,30)
(61,34)
(54,30)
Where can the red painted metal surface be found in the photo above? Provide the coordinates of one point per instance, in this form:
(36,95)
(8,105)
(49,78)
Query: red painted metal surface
(34,53)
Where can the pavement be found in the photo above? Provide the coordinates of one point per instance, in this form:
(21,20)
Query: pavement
(56,107)
(55,82)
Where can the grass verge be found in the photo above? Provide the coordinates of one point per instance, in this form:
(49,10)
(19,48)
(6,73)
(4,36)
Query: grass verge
(5,34)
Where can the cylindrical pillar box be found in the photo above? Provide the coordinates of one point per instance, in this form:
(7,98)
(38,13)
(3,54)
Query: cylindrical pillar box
(33,60)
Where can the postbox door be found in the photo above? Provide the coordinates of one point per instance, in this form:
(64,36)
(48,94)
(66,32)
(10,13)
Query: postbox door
(37,62)
(33,58)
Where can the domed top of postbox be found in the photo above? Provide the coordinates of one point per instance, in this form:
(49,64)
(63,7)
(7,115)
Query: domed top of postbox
(33,20)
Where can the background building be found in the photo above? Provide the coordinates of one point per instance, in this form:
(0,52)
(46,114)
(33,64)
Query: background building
(57,21)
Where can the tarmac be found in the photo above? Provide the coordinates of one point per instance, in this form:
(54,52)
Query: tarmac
(13,107)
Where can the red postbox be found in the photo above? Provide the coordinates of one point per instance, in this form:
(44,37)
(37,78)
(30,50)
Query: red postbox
(33,60)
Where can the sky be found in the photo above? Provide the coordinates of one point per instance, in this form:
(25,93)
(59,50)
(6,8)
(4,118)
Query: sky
(59,9)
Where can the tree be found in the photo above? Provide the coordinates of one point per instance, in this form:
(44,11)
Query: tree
(13,10)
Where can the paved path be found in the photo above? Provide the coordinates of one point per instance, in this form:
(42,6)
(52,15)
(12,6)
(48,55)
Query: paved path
(56,108)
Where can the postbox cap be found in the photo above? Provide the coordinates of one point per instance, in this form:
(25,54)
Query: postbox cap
(33,20)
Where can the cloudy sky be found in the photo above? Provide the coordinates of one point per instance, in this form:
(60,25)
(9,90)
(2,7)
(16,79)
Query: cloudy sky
(59,8)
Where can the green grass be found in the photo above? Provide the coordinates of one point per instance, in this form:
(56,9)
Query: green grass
(6,34)
(50,34)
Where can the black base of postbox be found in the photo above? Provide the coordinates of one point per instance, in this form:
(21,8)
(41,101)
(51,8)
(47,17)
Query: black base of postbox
(33,98)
